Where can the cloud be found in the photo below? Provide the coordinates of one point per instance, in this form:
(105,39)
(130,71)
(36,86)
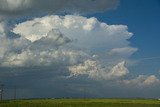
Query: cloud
(74,44)
(94,70)
(2,28)
(123,52)
(54,39)
(71,50)
(14,5)
(22,7)
(96,35)
(3,41)
(3,47)
(143,80)
(70,41)
(27,58)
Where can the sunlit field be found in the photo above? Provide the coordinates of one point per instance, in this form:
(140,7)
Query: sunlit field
(81,103)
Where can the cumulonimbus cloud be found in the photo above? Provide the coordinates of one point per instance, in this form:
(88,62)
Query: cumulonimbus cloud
(63,33)
(68,49)
(74,42)
(86,32)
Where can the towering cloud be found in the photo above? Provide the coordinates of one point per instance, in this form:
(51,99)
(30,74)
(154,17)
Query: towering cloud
(78,45)
(86,32)
(95,70)
(65,48)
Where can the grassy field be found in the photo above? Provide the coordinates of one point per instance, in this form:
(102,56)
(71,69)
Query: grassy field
(82,103)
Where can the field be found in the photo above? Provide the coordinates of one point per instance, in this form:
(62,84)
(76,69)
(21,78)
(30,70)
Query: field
(81,103)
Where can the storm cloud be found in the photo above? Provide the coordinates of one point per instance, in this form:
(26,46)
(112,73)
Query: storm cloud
(65,51)
(22,7)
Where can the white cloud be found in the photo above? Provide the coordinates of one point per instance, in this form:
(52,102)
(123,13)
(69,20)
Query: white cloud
(70,41)
(142,80)
(94,70)
(59,58)
(53,40)
(123,52)
(119,70)
(89,33)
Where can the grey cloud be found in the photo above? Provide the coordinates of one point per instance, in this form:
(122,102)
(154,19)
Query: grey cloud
(82,29)
(20,7)
(48,47)
(53,40)
(50,82)
(40,57)
(143,80)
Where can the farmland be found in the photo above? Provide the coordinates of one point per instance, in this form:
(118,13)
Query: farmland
(81,103)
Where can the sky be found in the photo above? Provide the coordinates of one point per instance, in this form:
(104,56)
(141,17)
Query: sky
(82,48)
(142,19)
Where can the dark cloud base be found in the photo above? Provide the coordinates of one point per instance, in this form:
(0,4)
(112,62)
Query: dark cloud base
(52,83)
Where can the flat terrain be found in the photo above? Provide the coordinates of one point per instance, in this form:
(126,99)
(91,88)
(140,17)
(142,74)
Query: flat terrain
(81,103)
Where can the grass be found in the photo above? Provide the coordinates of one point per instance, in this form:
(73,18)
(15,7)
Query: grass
(81,103)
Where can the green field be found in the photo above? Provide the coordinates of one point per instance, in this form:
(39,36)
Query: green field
(82,103)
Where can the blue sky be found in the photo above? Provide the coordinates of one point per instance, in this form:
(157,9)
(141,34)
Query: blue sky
(54,49)
(143,19)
